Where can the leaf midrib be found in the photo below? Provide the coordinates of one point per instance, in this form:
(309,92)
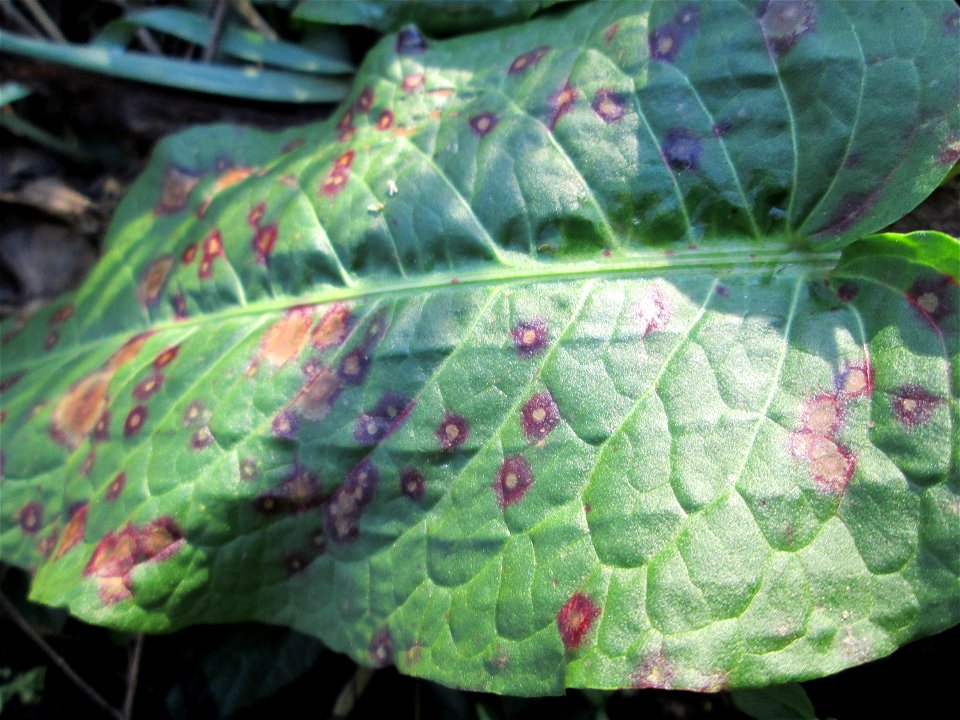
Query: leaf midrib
(734,259)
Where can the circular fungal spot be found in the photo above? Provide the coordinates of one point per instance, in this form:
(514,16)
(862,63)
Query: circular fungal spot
(249,469)
(682,149)
(575,619)
(530,337)
(333,327)
(354,366)
(665,42)
(385,120)
(609,106)
(61,315)
(913,405)
(855,380)
(53,337)
(412,483)
(285,425)
(539,416)
(365,101)
(193,413)
(412,83)
(153,279)
(527,60)
(88,462)
(178,302)
(30,517)
(175,189)
(201,438)
(116,487)
(101,431)
(410,41)
(452,431)
(205,269)
(189,254)
(318,394)
(369,429)
(11,380)
(483,123)
(135,421)
(831,465)
(655,672)
(213,245)
(933,296)
(848,291)
(263,241)
(562,101)
(166,357)
(513,480)
(821,413)
(381,648)
(256,214)
(148,386)
(784,22)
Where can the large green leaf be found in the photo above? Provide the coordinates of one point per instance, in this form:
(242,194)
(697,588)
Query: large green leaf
(540,364)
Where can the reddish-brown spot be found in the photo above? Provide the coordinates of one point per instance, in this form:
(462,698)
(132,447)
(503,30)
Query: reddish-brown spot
(285,338)
(656,672)
(300,491)
(483,123)
(365,101)
(932,297)
(527,60)
(562,101)
(178,301)
(611,32)
(148,386)
(166,357)
(530,337)
(285,425)
(346,121)
(30,517)
(831,465)
(189,254)
(201,438)
(3,416)
(263,241)
(87,465)
(913,405)
(115,556)
(513,480)
(53,337)
(61,315)
(78,412)
(318,394)
(609,106)
(820,413)
(354,366)
(412,483)
(46,544)
(73,532)
(373,426)
(256,214)
(855,380)
(452,431)
(653,311)
(412,83)
(333,327)
(9,382)
(381,648)
(847,291)
(194,413)
(410,41)
(135,421)
(339,174)
(175,188)
(154,279)
(116,487)
(385,120)
(127,352)
(575,619)
(101,431)
(784,21)
(539,416)
(249,469)
(293,145)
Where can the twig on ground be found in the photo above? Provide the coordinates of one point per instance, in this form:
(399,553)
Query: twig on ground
(18,19)
(27,628)
(43,20)
(133,676)
(219,13)
(254,19)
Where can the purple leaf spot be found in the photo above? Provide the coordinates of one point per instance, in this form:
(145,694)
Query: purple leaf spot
(610,106)
(539,416)
(514,478)
(575,619)
(483,123)
(452,431)
(527,60)
(913,405)
(530,337)
(682,149)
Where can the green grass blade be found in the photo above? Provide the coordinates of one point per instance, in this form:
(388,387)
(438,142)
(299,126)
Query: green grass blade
(251,83)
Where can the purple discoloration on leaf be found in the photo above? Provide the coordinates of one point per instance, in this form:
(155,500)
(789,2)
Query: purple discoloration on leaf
(201,438)
(370,429)
(784,22)
(527,60)
(665,42)
(343,511)
(483,123)
(575,619)
(513,480)
(354,366)
(381,648)
(116,487)
(609,106)
(365,101)
(821,413)
(315,400)
(175,188)
(263,241)
(412,483)
(452,431)
(655,672)
(830,464)
(855,380)
(148,386)
(539,416)
(249,469)
(194,413)
(562,101)
(154,279)
(166,357)
(932,296)
(682,149)
(53,337)
(385,120)
(913,405)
